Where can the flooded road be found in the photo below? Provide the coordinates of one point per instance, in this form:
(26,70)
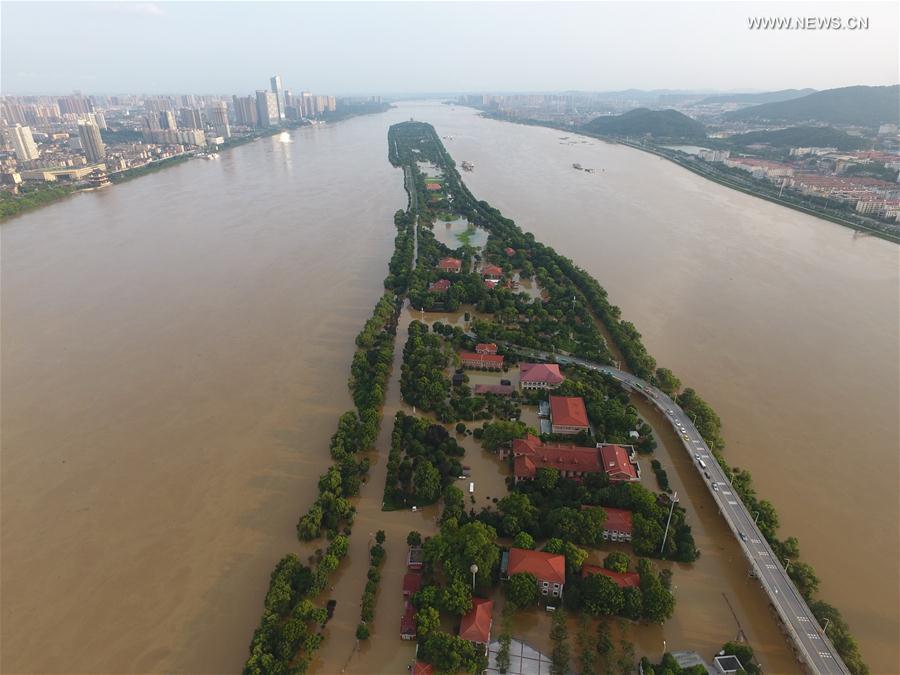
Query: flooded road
(175,353)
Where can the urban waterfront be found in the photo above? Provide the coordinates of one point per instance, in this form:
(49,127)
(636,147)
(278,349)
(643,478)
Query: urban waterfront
(183,341)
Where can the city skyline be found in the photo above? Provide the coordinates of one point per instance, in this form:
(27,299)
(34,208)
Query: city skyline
(313,46)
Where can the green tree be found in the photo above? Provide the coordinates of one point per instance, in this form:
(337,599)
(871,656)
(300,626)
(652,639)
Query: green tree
(454,503)
(587,647)
(428,620)
(804,576)
(523,540)
(362,632)
(518,513)
(602,596)
(522,590)
(497,434)
(617,562)
(426,482)
(413,538)
(547,478)
(658,603)
(666,380)
(457,597)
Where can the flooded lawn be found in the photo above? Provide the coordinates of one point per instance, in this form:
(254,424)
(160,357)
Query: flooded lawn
(455,233)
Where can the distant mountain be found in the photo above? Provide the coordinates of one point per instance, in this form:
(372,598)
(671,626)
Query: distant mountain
(640,121)
(802,137)
(864,106)
(757,99)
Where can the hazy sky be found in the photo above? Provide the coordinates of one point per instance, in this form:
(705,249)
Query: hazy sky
(228,47)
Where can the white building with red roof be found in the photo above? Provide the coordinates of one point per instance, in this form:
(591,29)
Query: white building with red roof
(540,376)
(548,568)
(453,265)
(619,462)
(481,361)
(476,624)
(486,348)
(618,525)
(568,415)
(440,286)
(491,272)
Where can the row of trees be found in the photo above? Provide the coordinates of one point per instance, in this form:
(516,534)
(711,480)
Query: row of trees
(367,603)
(423,378)
(289,630)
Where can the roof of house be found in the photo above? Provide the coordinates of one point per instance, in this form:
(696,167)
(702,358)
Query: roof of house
(408,621)
(432,186)
(568,411)
(531,454)
(483,358)
(486,348)
(509,251)
(412,582)
(488,268)
(476,625)
(422,669)
(499,389)
(540,372)
(544,566)
(622,579)
(617,519)
(449,262)
(491,283)
(440,285)
(615,460)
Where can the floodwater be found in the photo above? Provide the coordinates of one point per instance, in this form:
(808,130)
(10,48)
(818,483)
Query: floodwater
(175,353)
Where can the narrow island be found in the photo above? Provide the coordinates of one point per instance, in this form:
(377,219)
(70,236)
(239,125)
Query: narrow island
(514,455)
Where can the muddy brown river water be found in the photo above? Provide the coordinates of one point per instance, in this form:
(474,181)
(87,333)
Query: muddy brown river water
(175,353)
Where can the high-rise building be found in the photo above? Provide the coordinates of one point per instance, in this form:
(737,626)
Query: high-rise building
(217,113)
(307,104)
(278,90)
(99,119)
(190,118)
(266,108)
(167,120)
(91,142)
(245,111)
(23,142)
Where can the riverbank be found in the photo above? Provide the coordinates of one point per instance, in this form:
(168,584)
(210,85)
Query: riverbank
(760,190)
(44,195)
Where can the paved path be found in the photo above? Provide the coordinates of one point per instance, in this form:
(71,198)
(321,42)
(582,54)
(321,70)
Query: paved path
(812,645)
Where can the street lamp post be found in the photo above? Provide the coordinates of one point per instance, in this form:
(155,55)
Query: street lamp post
(827,621)
(755,517)
(474,570)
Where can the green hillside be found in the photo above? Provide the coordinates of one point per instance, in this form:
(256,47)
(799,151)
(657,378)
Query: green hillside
(803,137)
(865,106)
(757,99)
(668,124)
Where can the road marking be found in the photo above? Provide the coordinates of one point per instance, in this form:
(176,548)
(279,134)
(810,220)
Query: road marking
(732,503)
(770,566)
(803,618)
(813,636)
(726,492)
(765,553)
(755,541)
(825,655)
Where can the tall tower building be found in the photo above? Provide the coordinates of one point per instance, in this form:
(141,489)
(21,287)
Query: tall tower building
(278,90)
(266,108)
(190,118)
(23,143)
(91,142)
(167,120)
(218,116)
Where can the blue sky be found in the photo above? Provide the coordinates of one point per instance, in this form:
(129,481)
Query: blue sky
(343,48)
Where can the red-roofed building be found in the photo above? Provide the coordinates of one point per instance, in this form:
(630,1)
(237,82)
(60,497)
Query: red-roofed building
(433,187)
(622,579)
(568,415)
(619,462)
(412,582)
(482,361)
(498,389)
(453,265)
(415,559)
(530,454)
(491,283)
(408,622)
(476,624)
(440,286)
(422,669)
(548,568)
(509,251)
(540,376)
(491,272)
(486,348)
(617,526)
